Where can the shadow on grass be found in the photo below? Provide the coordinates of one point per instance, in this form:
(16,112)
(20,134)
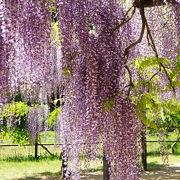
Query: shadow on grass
(157,171)
(98,169)
(153,166)
(157,153)
(89,174)
(92,174)
(44,175)
(29,158)
(29,178)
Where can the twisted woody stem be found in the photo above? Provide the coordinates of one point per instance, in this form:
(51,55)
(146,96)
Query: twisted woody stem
(126,52)
(153,46)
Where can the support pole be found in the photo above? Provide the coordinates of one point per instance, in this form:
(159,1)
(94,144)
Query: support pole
(144,151)
(105,168)
(36,150)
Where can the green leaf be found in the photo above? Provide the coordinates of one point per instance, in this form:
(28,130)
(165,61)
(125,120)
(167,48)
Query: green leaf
(178,57)
(53,116)
(164,61)
(108,103)
(147,63)
(55,101)
(153,125)
(66,71)
(176,83)
(136,62)
(177,67)
(145,121)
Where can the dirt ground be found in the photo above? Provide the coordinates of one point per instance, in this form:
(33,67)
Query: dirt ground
(170,173)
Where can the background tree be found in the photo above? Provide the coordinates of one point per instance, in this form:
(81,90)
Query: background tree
(23,124)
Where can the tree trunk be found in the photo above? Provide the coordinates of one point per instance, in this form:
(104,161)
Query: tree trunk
(36,150)
(105,168)
(144,151)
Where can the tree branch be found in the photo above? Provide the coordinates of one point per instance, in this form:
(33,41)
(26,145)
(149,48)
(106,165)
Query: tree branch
(123,22)
(143,19)
(154,75)
(156,54)
(148,3)
(169,79)
(151,38)
(131,85)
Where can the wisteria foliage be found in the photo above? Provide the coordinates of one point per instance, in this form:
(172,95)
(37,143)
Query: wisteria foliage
(96,43)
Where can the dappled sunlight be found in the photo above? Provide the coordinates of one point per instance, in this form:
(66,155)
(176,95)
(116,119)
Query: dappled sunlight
(92,176)
(170,173)
(166,173)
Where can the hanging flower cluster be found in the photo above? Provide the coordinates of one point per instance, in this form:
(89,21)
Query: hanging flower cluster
(96,109)
(37,121)
(163,19)
(28,62)
(26,32)
(3,67)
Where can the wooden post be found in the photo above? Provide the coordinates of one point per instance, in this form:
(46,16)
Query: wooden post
(144,151)
(36,150)
(105,168)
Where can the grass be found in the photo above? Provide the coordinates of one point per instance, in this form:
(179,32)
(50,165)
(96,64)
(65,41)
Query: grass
(19,162)
(32,169)
(153,148)
(156,163)
(49,167)
(26,151)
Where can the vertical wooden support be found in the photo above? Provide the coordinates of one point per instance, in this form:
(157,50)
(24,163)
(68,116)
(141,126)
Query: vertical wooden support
(144,151)
(36,150)
(105,168)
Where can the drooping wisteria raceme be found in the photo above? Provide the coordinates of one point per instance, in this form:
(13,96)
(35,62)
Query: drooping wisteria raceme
(28,57)
(94,64)
(3,71)
(37,121)
(94,110)
(3,66)
(26,30)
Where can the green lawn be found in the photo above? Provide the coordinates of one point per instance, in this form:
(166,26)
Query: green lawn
(19,163)
(29,169)
(155,162)
(49,168)
(153,148)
